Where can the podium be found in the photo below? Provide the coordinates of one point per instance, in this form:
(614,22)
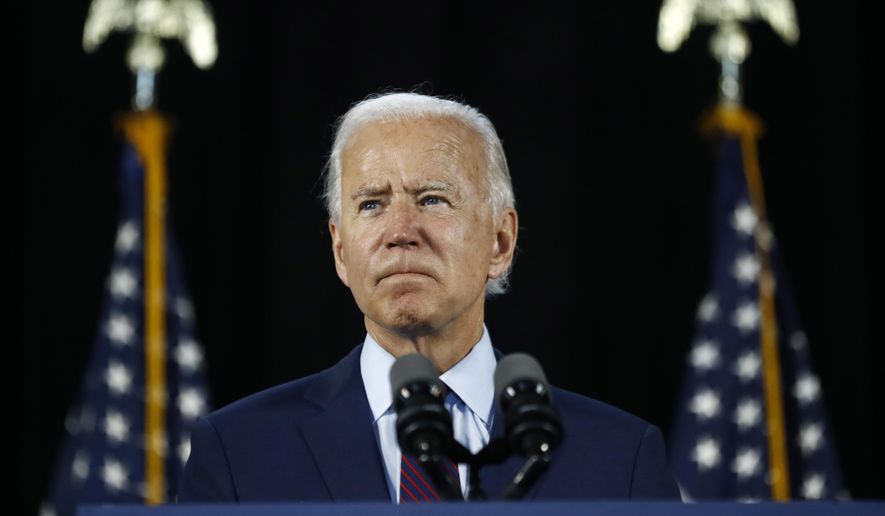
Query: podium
(500,508)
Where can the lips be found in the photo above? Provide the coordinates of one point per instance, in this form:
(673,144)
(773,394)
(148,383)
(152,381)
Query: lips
(395,270)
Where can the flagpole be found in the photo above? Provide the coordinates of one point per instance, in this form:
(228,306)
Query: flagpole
(771,368)
(148,130)
(730,118)
(730,45)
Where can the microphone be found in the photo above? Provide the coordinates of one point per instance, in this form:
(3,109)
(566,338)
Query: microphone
(532,426)
(423,425)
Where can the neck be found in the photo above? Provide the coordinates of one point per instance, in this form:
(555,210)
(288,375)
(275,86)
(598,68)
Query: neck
(445,346)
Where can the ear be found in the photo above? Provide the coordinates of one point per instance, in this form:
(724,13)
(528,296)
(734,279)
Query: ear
(504,244)
(338,253)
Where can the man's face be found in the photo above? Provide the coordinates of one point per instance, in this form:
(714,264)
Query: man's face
(416,241)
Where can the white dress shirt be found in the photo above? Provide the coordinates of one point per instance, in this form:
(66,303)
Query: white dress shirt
(471,379)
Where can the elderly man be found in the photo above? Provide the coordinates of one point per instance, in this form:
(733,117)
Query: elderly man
(423,226)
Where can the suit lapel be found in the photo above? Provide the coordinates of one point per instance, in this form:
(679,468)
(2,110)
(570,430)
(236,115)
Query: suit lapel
(343,444)
(341,438)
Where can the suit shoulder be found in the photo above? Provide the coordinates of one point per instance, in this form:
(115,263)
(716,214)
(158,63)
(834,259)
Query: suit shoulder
(295,399)
(628,454)
(287,398)
(582,410)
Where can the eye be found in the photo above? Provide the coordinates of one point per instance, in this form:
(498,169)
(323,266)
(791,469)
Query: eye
(431,200)
(369,205)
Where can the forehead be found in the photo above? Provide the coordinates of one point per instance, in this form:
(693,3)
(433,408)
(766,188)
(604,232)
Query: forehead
(414,149)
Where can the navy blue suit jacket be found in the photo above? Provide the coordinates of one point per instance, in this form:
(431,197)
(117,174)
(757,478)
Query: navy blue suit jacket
(312,440)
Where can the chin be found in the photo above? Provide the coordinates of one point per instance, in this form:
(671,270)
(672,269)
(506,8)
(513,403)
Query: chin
(412,325)
(410,319)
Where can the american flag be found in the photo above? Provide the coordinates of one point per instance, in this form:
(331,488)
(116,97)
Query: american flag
(102,459)
(720,440)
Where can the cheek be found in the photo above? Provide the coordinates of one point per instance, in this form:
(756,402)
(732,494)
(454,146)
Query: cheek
(350,255)
(473,246)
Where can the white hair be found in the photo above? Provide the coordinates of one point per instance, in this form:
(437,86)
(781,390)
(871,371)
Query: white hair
(413,106)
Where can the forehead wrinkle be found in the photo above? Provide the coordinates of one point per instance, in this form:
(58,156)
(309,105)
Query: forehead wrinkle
(449,157)
(422,186)
(445,154)
(369,159)
(458,166)
(370,190)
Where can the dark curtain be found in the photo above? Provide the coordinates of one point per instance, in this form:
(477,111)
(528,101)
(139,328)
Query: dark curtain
(612,181)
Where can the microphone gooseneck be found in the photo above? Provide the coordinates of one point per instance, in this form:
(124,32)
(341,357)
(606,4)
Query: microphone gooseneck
(532,426)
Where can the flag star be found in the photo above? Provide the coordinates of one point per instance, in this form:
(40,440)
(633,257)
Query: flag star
(708,309)
(746,464)
(184,309)
(116,426)
(114,475)
(746,317)
(813,487)
(705,404)
(746,269)
(118,378)
(122,283)
(80,465)
(191,403)
(810,438)
(127,237)
(747,414)
(705,355)
(188,354)
(744,219)
(807,389)
(747,366)
(119,329)
(706,453)
(184,449)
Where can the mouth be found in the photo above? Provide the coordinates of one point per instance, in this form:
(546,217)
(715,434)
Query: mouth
(410,273)
(405,275)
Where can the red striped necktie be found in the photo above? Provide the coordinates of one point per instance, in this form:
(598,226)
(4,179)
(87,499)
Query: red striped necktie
(414,482)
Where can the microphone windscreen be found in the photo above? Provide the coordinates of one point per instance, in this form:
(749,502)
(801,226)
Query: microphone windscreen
(412,368)
(516,367)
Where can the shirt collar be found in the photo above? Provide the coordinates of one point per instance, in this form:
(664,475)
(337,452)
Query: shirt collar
(472,378)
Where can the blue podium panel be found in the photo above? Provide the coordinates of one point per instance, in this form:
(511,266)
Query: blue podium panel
(501,508)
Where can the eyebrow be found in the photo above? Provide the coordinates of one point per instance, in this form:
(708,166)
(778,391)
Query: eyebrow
(375,191)
(370,191)
(442,186)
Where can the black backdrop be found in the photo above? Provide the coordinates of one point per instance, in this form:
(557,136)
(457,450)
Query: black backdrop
(612,181)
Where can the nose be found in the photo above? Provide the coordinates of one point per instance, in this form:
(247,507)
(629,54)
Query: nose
(403,229)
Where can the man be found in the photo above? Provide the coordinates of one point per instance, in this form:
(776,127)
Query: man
(423,226)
